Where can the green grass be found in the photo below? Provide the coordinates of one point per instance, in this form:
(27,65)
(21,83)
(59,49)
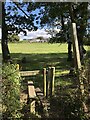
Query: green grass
(40,55)
(37,48)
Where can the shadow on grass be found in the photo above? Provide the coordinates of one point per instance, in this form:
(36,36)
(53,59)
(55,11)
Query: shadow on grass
(63,103)
(39,61)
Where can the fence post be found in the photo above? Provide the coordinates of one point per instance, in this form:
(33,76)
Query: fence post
(52,81)
(44,81)
(48,82)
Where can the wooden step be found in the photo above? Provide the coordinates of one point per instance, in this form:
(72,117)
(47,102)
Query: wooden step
(31,90)
(32,96)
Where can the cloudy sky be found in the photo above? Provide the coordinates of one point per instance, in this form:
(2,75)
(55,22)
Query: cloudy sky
(34,34)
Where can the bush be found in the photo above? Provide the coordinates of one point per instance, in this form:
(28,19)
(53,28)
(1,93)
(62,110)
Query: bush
(10,91)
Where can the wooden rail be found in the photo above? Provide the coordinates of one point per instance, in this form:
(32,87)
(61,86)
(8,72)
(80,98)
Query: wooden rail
(29,73)
(48,88)
(48,79)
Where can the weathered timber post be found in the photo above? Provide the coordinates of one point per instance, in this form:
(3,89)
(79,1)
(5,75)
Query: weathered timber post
(52,81)
(48,82)
(44,81)
(77,57)
(78,66)
(31,96)
(76,47)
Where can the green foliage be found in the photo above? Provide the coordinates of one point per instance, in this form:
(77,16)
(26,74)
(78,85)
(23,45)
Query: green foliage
(73,108)
(60,39)
(20,19)
(86,40)
(59,14)
(11,91)
(13,38)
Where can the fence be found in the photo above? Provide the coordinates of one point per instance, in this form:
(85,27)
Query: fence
(48,79)
(48,86)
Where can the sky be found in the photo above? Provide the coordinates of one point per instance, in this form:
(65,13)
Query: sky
(35,34)
(32,34)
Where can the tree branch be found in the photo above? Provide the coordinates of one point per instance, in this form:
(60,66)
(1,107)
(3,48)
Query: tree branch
(21,9)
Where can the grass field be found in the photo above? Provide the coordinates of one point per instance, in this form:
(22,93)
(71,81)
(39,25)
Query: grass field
(37,48)
(26,47)
(44,55)
(40,55)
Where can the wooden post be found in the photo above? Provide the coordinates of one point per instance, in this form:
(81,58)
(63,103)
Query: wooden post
(77,57)
(76,47)
(44,81)
(48,82)
(52,81)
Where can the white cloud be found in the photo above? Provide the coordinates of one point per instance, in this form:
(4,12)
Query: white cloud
(34,34)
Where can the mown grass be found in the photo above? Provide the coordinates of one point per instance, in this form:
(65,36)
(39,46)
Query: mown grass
(37,48)
(40,55)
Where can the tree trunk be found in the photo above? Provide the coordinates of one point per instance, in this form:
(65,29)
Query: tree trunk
(81,30)
(4,42)
(62,21)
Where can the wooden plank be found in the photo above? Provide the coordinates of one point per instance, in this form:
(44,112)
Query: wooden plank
(31,90)
(29,73)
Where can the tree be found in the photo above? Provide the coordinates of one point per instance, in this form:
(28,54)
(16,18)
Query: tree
(13,38)
(65,13)
(50,14)
(5,50)
(14,22)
